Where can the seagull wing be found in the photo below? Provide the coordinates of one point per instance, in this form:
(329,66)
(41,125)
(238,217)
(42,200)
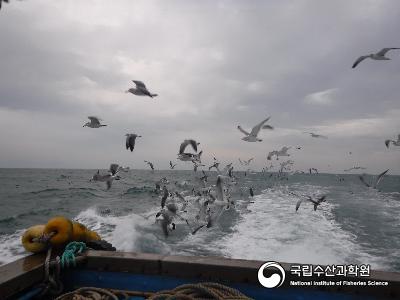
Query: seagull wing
(298,204)
(113,169)
(164,197)
(127,142)
(132,140)
(384,51)
(256,129)
(94,120)
(380,177)
(321,199)
(242,130)
(387,142)
(363,180)
(139,84)
(220,189)
(198,228)
(187,142)
(360,59)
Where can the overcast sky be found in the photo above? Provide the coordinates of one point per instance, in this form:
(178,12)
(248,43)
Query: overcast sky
(215,65)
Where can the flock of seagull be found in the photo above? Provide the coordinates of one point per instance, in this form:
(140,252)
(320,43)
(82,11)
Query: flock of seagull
(212,200)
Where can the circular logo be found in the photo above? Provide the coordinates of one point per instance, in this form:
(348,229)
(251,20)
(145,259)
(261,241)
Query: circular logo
(276,279)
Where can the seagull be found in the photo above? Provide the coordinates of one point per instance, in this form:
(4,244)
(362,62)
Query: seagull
(171,166)
(377,56)
(164,196)
(354,168)
(186,142)
(140,90)
(130,140)
(378,179)
(215,165)
(245,162)
(252,136)
(3,1)
(315,202)
(185,156)
(150,164)
(221,199)
(166,222)
(190,157)
(94,123)
(282,152)
(204,178)
(108,178)
(314,135)
(395,143)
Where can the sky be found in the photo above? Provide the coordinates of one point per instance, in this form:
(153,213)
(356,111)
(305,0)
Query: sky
(215,65)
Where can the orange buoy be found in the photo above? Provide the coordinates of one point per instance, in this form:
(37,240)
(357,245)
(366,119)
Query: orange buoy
(78,232)
(29,239)
(92,236)
(61,230)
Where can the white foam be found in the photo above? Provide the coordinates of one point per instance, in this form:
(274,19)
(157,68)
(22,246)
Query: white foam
(11,248)
(274,231)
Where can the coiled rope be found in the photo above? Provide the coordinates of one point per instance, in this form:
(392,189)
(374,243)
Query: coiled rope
(70,252)
(200,291)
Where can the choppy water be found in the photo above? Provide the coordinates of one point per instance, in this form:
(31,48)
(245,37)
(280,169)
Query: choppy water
(355,225)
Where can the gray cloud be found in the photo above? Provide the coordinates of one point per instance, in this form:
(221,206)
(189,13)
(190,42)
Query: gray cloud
(215,64)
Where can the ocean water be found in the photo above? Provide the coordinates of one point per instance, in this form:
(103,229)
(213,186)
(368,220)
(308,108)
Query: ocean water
(355,225)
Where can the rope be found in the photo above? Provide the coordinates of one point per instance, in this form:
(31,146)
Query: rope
(206,290)
(71,250)
(51,283)
(201,291)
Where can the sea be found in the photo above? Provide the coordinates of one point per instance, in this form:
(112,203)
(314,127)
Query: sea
(355,225)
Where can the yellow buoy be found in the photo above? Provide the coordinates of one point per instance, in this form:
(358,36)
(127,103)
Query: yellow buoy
(61,229)
(92,236)
(78,232)
(29,236)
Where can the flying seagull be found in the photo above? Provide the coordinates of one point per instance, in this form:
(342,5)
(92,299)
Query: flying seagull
(252,136)
(395,143)
(245,162)
(94,123)
(378,179)
(164,196)
(282,152)
(315,202)
(140,90)
(314,135)
(377,56)
(108,178)
(130,140)
(354,168)
(166,222)
(171,166)
(150,164)
(186,156)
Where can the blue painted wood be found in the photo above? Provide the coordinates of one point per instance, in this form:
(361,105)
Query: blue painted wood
(127,281)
